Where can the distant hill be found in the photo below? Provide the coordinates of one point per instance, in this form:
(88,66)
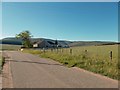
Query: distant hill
(14,41)
(89,43)
(11,40)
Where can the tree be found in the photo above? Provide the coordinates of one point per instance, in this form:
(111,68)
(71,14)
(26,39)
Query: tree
(25,36)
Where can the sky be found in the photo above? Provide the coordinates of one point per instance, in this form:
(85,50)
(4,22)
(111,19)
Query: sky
(60,0)
(79,21)
(0,20)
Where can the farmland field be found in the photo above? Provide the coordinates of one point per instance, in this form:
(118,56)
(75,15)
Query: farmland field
(97,59)
(9,47)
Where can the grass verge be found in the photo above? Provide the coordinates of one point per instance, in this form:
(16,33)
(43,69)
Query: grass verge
(97,64)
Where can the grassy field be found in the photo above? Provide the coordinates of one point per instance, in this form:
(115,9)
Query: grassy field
(9,47)
(92,58)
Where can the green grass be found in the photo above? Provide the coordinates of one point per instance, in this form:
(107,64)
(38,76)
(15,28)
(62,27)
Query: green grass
(96,59)
(9,47)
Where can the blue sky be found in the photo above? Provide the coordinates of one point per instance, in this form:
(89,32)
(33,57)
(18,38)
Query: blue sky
(67,21)
(60,0)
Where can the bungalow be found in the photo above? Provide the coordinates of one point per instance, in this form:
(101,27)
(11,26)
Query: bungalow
(48,44)
(42,44)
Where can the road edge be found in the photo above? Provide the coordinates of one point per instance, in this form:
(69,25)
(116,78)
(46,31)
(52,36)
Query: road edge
(7,81)
(95,74)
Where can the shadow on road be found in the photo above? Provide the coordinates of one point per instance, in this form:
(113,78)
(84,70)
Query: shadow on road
(33,62)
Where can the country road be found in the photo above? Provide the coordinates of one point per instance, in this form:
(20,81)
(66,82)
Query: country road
(30,71)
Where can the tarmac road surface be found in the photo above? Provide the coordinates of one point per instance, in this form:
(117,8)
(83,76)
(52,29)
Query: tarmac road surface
(30,71)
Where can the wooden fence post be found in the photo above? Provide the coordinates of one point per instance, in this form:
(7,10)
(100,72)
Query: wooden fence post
(51,49)
(57,49)
(44,50)
(70,51)
(62,50)
(111,55)
(85,51)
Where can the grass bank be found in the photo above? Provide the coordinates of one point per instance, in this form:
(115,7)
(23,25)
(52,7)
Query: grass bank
(96,59)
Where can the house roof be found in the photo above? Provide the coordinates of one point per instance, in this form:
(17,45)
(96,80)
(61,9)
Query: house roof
(50,43)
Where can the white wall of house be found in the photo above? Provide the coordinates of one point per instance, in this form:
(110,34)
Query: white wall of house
(35,45)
